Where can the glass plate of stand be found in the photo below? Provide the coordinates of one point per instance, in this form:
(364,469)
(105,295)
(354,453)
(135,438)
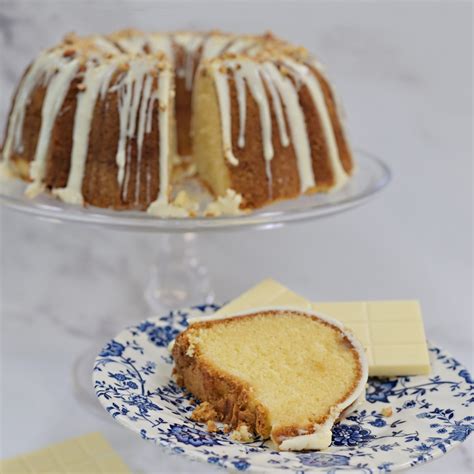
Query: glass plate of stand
(370,177)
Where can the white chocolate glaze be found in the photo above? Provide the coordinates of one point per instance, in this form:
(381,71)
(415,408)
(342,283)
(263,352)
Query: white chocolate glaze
(129,98)
(252,77)
(249,61)
(222,87)
(132,44)
(182,206)
(144,106)
(191,43)
(149,113)
(320,439)
(96,81)
(297,124)
(40,72)
(251,74)
(57,89)
(161,43)
(340,110)
(311,82)
(163,100)
(277,107)
(244,72)
(166,210)
(163,94)
(228,205)
(215,45)
(284,92)
(105,45)
(242,100)
(239,45)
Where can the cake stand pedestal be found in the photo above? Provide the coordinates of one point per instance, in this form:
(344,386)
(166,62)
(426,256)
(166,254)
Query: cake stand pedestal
(177,276)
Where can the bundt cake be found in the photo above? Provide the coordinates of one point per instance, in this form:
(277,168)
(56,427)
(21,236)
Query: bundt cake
(277,373)
(106,120)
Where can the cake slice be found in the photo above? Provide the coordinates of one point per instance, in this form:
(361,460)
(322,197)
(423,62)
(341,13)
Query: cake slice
(277,373)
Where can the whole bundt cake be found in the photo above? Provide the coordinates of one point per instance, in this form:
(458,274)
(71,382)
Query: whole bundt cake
(106,120)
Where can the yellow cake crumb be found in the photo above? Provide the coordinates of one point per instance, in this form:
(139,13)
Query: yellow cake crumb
(184,201)
(204,413)
(211,426)
(242,434)
(228,205)
(387,411)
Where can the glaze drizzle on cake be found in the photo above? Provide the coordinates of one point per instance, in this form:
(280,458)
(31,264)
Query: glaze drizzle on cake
(99,120)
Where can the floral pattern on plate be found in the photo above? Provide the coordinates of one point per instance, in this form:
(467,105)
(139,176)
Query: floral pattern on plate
(431,414)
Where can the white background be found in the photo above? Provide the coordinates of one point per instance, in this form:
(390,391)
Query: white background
(404,73)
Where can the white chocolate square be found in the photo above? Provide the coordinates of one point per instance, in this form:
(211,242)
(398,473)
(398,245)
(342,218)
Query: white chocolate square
(90,453)
(347,310)
(391,332)
(400,359)
(394,310)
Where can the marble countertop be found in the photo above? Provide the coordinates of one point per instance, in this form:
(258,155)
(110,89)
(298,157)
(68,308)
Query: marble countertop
(404,74)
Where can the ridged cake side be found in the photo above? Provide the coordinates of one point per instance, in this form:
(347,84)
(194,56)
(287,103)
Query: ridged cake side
(93,127)
(280,131)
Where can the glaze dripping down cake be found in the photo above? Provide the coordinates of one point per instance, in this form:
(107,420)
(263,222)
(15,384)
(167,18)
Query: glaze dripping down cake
(278,373)
(106,120)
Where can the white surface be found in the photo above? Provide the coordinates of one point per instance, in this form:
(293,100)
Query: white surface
(404,72)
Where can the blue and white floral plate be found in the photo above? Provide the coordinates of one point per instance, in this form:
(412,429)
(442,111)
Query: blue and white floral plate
(431,414)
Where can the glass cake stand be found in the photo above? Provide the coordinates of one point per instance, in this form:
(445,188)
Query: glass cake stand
(371,176)
(181,279)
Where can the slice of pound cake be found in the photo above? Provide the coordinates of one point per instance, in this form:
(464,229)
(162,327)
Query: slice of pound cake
(278,373)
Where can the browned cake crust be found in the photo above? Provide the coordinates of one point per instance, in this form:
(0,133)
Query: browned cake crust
(30,130)
(228,399)
(183,100)
(342,143)
(249,178)
(100,187)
